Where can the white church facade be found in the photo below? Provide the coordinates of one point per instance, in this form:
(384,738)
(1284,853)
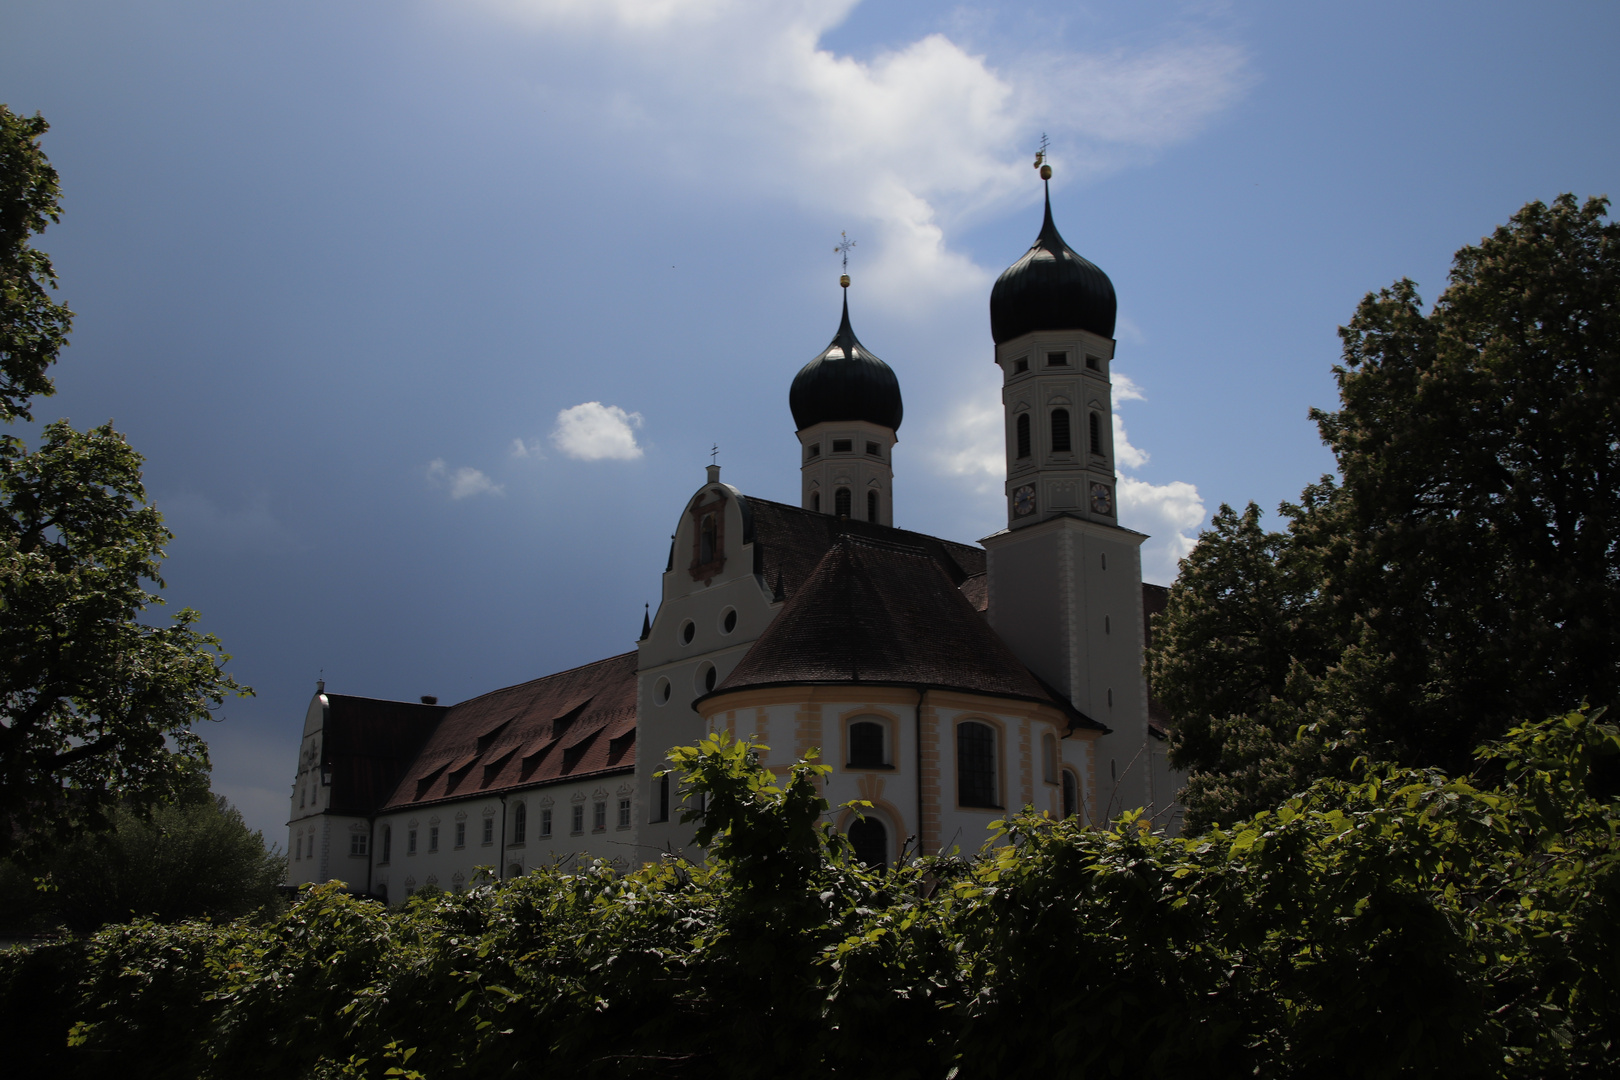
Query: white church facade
(945,683)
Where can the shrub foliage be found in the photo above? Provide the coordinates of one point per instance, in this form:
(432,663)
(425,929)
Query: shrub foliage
(1404,922)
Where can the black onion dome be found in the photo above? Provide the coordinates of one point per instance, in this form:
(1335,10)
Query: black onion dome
(1051,288)
(846,382)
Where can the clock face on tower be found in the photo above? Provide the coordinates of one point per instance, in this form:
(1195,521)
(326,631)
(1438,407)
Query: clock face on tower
(1102,500)
(1024,501)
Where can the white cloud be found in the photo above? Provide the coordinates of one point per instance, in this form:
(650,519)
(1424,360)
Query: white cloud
(1168,513)
(905,145)
(596,432)
(463,482)
(973,445)
(1128,456)
(521,449)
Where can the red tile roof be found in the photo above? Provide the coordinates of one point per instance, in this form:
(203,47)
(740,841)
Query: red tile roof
(566,726)
(886,614)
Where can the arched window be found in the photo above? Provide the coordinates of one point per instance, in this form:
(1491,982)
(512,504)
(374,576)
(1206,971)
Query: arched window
(866,745)
(1096,434)
(871,842)
(1071,794)
(871,505)
(1060,431)
(815,502)
(841,503)
(976,765)
(706,543)
(661,798)
(520,823)
(388,842)
(1049,758)
(1023,435)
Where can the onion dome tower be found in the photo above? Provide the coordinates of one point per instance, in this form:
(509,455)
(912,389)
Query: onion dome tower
(1064,579)
(846,405)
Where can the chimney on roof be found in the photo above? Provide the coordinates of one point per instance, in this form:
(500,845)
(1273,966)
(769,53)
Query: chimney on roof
(429,699)
(714,473)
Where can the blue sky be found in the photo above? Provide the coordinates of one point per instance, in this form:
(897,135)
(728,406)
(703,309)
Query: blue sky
(426,314)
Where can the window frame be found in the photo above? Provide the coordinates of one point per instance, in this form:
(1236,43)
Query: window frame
(885,726)
(545,822)
(576,820)
(1023,446)
(1061,431)
(998,759)
(433,839)
(841,502)
(599,816)
(872,504)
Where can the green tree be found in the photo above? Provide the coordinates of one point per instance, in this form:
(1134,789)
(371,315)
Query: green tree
(194,857)
(1465,567)
(96,705)
(33,329)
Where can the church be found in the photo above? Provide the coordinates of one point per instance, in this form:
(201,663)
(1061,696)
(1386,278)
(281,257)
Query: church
(945,683)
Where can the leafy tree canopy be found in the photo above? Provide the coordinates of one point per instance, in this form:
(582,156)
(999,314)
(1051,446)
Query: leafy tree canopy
(96,706)
(1403,922)
(190,858)
(1463,570)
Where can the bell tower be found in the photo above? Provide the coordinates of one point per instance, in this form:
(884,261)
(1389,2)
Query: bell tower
(1064,579)
(846,405)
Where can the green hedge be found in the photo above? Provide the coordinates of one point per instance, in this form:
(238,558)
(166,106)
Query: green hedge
(1409,923)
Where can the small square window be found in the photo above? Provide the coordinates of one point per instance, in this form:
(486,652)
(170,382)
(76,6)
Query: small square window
(433,838)
(545,822)
(1020,365)
(624,813)
(843,446)
(1091,362)
(579,819)
(815,450)
(873,449)
(1057,359)
(599,817)
(461,834)
(357,843)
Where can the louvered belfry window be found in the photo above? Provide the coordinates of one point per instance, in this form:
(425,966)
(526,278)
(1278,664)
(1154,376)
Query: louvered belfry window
(1096,434)
(1060,431)
(975,765)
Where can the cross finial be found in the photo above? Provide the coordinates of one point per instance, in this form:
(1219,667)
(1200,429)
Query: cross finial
(1040,159)
(714,454)
(843,248)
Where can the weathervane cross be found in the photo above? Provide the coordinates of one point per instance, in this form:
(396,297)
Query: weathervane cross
(714,454)
(843,249)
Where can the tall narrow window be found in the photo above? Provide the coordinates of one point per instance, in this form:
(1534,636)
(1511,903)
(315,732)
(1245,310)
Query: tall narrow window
(545,821)
(975,764)
(866,745)
(1071,794)
(706,544)
(661,804)
(1096,434)
(1060,431)
(871,506)
(841,503)
(624,813)
(577,825)
(388,842)
(410,842)
(1049,759)
(461,834)
(599,816)
(299,848)
(520,823)
(871,842)
(433,838)
(815,502)
(489,830)
(1023,435)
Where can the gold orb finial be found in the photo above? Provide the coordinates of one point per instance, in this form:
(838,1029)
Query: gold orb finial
(843,279)
(1046,172)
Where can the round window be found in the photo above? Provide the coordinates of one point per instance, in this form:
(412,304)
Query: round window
(705,679)
(661,691)
(728,620)
(688,631)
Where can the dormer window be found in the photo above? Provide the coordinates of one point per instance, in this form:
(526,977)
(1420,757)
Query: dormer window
(843,446)
(1057,359)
